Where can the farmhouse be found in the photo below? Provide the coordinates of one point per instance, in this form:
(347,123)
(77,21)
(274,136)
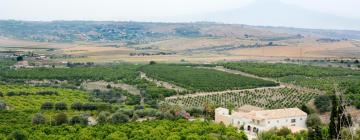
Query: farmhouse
(254,119)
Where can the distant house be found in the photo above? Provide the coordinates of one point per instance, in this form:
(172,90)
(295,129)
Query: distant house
(254,119)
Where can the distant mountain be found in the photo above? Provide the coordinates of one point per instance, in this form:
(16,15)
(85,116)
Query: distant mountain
(277,13)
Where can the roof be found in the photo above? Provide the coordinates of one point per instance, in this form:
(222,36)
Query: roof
(271,114)
(248,108)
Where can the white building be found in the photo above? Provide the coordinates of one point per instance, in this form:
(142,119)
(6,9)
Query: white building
(254,119)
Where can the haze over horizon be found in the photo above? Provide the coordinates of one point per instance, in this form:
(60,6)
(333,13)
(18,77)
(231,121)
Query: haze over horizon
(320,14)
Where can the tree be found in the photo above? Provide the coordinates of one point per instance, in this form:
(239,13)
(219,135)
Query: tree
(307,109)
(38,118)
(119,117)
(83,120)
(19,58)
(313,120)
(61,106)
(47,106)
(61,118)
(117,136)
(2,105)
(76,106)
(152,62)
(323,103)
(230,106)
(333,126)
(17,135)
(108,86)
(103,117)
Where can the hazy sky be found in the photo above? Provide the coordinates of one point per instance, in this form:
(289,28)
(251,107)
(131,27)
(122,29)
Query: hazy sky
(154,10)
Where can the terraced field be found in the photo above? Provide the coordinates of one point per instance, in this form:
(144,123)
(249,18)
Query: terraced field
(200,79)
(265,98)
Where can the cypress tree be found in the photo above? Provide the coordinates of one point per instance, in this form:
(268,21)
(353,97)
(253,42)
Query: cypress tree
(333,126)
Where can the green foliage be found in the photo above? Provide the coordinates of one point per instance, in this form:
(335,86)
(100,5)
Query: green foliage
(38,118)
(61,106)
(157,129)
(61,118)
(283,69)
(17,135)
(313,120)
(265,98)
(323,103)
(34,100)
(201,79)
(119,117)
(125,73)
(2,105)
(282,134)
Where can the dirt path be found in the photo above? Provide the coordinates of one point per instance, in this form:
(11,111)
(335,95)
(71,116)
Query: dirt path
(162,83)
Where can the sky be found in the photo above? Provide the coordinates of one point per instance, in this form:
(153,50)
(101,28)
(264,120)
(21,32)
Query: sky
(168,10)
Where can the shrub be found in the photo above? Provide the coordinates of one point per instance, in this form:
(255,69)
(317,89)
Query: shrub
(323,103)
(17,135)
(1,94)
(138,107)
(76,106)
(83,120)
(89,106)
(313,120)
(11,93)
(103,117)
(61,118)
(38,118)
(47,106)
(2,105)
(119,117)
(60,106)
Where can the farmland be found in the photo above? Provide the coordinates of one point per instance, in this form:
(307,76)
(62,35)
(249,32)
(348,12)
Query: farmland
(199,79)
(265,98)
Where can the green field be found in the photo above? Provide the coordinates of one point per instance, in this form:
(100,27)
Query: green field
(265,98)
(201,79)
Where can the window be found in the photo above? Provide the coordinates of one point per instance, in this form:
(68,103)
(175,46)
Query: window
(293,120)
(277,121)
(238,122)
(268,122)
(300,119)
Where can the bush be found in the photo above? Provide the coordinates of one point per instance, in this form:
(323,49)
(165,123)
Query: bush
(138,107)
(103,117)
(17,135)
(2,105)
(61,118)
(76,106)
(119,117)
(83,120)
(313,120)
(323,103)
(47,106)
(1,94)
(38,119)
(60,106)
(89,106)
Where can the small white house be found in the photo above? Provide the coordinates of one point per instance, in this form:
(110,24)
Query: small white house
(254,119)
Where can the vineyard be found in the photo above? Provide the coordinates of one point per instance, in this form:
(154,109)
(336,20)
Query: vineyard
(265,98)
(200,79)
